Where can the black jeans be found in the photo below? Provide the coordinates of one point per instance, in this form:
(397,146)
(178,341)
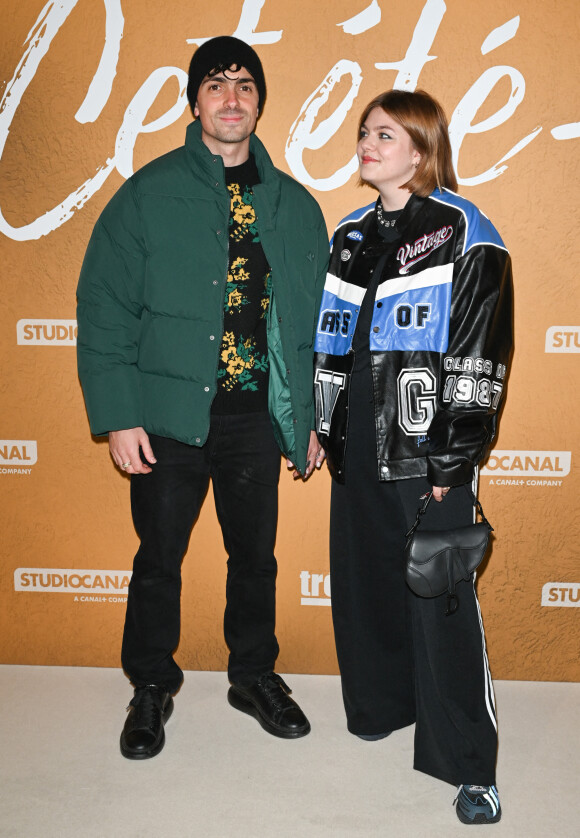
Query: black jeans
(243,461)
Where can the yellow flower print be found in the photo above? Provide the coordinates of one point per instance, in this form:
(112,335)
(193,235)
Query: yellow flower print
(237,272)
(228,354)
(250,360)
(236,365)
(240,363)
(236,202)
(234,299)
(244,215)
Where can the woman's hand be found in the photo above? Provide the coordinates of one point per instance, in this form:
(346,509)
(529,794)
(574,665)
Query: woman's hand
(439,492)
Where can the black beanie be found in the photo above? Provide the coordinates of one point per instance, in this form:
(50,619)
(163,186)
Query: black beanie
(222,52)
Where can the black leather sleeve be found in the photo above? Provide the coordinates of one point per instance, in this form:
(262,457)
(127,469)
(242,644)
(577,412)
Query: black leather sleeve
(474,368)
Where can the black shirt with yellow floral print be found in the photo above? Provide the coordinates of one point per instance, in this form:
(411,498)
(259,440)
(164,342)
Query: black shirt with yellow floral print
(242,375)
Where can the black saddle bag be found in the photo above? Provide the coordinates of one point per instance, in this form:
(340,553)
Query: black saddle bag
(436,560)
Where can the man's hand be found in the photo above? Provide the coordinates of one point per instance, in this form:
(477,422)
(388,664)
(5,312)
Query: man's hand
(314,458)
(124,447)
(439,492)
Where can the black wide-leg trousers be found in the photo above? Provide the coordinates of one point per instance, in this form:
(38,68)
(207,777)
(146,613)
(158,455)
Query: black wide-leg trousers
(401,659)
(243,461)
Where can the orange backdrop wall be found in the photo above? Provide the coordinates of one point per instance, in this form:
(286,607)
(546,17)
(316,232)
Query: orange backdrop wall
(92,90)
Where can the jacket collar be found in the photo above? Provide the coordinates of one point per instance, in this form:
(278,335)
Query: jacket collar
(210,167)
(409,213)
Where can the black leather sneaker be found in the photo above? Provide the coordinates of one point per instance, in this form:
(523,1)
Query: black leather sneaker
(143,735)
(268,700)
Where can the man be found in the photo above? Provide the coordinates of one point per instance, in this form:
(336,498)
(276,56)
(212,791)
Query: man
(197,305)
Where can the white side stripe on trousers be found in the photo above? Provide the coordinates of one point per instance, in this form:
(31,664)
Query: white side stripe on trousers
(489,693)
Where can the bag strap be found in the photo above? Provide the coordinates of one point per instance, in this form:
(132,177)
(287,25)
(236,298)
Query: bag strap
(423,509)
(479,508)
(420,512)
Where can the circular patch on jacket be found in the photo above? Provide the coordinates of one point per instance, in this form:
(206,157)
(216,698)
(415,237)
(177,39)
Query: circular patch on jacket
(345,255)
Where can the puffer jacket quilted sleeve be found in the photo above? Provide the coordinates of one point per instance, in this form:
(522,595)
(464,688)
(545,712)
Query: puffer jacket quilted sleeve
(109,316)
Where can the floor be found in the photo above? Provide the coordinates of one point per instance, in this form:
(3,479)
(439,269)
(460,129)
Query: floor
(221,775)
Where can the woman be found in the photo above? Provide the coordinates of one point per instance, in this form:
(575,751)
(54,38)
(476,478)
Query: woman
(412,347)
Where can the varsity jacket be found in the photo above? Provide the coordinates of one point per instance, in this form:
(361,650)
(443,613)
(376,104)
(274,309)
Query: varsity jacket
(151,297)
(440,338)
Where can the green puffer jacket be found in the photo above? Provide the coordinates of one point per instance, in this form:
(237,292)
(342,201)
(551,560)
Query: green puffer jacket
(151,297)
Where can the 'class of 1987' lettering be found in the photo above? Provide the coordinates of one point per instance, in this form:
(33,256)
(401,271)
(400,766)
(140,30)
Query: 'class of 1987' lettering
(465,389)
(417,390)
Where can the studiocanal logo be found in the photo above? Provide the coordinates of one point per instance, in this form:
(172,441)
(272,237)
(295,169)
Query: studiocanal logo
(563,339)
(561,594)
(314,588)
(46,332)
(527,468)
(17,456)
(86,585)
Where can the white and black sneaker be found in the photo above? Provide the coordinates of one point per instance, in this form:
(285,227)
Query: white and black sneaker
(478,804)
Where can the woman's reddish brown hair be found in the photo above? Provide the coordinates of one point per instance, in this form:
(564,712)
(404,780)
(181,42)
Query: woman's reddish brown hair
(424,120)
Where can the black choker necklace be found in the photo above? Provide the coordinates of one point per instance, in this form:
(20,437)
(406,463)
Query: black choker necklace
(386,222)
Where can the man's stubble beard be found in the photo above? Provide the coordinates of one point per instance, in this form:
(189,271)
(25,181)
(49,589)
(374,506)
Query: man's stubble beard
(224,135)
